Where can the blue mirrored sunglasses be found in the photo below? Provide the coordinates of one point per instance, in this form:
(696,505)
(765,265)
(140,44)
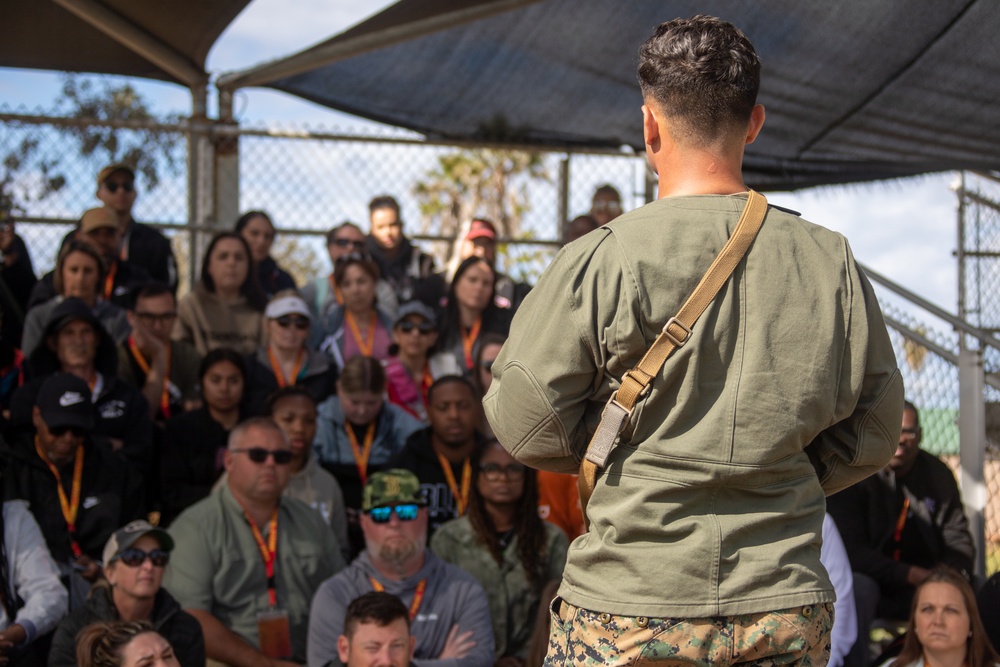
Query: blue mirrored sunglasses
(404,512)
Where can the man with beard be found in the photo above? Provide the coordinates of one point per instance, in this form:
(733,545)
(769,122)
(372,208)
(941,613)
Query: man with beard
(448,613)
(439,455)
(246,551)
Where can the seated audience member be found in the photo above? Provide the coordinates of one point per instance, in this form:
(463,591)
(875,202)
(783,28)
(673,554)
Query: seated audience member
(945,629)
(285,360)
(896,526)
(165,371)
(257,230)
(447,607)
(226,305)
(357,328)
(78,490)
(988,599)
(75,342)
(322,293)
(606,205)
(578,226)
(413,367)
(79,273)
(489,348)
(376,633)
(481,241)
(248,549)
(833,555)
(194,442)
(357,432)
(293,409)
(471,312)
(134,560)
(402,264)
(503,543)
(18,275)
(440,455)
(123,644)
(142,245)
(32,599)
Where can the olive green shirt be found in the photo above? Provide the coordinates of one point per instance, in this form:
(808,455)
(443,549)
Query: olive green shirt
(712,504)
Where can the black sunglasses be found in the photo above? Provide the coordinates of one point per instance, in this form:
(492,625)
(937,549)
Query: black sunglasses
(348,243)
(406,512)
(113,187)
(259,455)
(407,326)
(135,557)
(296,321)
(60,431)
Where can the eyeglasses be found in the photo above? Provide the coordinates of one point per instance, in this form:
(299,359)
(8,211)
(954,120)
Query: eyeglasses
(348,243)
(296,321)
(910,434)
(494,471)
(424,328)
(135,557)
(113,187)
(156,318)
(406,512)
(259,455)
(60,431)
(487,365)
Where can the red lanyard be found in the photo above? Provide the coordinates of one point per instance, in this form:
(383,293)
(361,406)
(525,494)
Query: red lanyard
(418,595)
(365,343)
(900,524)
(268,551)
(468,340)
(109,281)
(279,375)
(70,507)
(361,454)
(144,365)
(461,499)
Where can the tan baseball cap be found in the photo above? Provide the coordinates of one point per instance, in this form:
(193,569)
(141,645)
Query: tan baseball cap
(112,168)
(98,218)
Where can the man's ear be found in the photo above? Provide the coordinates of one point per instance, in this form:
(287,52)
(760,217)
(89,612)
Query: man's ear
(756,123)
(343,649)
(227,459)
(650,128)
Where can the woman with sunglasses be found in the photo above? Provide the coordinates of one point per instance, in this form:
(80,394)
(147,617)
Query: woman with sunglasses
(193,442)
(134,560)
(357,327)
(503,543)
(322,293)
(471,312)
(224,309)
(357,433)
(412,368)
(257,230)
(285,360)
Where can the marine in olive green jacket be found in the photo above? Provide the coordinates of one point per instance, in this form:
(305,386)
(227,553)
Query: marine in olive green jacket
(713,502)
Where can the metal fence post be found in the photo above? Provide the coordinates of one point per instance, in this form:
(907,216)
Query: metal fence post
(972,457)
(563,202)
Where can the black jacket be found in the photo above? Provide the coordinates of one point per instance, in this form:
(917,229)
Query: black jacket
(273,278)
(410,272)
(936,529)
(190,460)
(177,627)
(319,378)
(111,494)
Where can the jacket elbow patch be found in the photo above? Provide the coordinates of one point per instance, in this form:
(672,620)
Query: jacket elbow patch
(882,425)
(523,419)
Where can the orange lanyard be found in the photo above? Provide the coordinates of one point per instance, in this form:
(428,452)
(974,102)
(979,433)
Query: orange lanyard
(418,595)
(900,524)
(109,281)
(70,508)
(425,386)
(468,340)
(461,500)
(268,551)
(144,365)
(337,294)
(361,454)
(365,344)
(279,375)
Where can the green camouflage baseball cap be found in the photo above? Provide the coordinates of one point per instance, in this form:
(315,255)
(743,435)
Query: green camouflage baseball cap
(391,487)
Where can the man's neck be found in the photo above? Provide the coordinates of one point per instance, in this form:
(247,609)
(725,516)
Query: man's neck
(124,220)
(259,510)
(454,453)
(228,418)
(700,171)
(131,608)
(399,571)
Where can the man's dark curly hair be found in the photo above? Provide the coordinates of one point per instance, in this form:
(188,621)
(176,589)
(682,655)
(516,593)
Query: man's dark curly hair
(703,72)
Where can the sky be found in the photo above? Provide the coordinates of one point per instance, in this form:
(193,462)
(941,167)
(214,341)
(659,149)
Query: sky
(905,229)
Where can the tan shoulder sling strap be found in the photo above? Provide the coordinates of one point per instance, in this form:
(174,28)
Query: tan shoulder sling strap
(676,332)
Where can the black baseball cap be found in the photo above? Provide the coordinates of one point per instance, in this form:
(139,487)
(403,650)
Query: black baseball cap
(64,401)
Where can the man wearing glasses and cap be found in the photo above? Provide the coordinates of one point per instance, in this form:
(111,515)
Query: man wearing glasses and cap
(449,616)
(78,489)
(247,559)
(134,561)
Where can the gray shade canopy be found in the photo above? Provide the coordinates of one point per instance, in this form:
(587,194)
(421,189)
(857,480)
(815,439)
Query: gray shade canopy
(855,90)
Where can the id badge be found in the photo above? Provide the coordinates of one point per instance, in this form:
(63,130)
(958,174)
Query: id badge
(275,635)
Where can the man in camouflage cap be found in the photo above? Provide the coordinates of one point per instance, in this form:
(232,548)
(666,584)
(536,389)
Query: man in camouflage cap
(448,612)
